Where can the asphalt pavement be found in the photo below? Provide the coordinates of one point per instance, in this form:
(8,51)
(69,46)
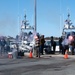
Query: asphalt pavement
(46,65)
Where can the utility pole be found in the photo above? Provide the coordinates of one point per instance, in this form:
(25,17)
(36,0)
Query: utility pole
(35,29)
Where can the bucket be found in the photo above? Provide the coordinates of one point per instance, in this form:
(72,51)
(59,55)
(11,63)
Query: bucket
(10,55)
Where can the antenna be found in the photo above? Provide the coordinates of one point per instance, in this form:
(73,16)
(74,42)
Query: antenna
(68,14)
(63,19)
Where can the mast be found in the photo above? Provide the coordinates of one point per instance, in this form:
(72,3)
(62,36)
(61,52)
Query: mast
(68,24)
(25,21)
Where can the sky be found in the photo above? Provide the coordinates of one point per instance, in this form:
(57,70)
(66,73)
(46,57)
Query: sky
(51,15)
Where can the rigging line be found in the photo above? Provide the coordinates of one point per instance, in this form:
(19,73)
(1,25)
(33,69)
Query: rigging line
(18,19)
(60,18)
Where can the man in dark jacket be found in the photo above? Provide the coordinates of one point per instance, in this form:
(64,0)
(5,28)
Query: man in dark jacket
(42,41)
(53,44)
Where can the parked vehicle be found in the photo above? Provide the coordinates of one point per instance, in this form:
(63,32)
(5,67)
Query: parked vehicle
(47,47)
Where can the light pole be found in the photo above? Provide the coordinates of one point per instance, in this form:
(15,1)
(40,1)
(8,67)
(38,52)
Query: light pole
(34,26)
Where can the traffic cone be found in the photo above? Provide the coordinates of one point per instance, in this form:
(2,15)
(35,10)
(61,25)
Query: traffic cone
(30,55)
(66,54)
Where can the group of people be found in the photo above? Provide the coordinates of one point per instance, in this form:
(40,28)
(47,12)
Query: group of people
(39,45)
(64,44)
(67,43)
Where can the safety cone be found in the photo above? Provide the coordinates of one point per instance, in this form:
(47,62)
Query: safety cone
(30,55)
(66,54)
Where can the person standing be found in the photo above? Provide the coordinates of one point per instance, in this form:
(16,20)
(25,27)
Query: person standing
(37,45)
(65,44)
(72,45)
(42,41)
(3,43)
(53,44)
